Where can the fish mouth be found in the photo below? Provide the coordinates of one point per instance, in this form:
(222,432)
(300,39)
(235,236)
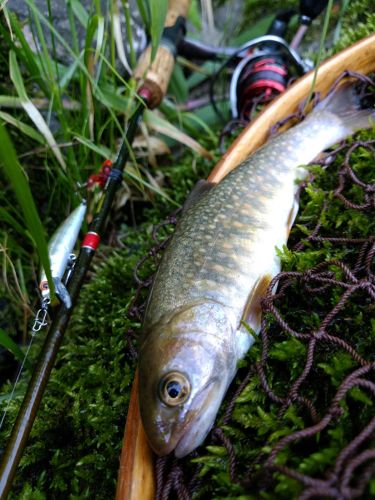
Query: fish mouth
(190,440)
(199,422)
(190,431)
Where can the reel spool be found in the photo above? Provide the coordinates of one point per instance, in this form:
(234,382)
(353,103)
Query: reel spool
(261,80)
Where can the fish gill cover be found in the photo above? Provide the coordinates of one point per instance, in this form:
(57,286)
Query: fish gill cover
(258,448)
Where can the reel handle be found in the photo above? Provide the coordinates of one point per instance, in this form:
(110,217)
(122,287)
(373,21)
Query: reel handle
(155,75)
(310,9)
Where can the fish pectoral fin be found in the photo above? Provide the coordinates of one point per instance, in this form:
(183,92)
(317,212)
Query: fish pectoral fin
(251,317)
(199,190)
(292,215)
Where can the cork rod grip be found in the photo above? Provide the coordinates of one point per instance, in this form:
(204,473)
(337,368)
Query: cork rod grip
(155,76)
(176,8)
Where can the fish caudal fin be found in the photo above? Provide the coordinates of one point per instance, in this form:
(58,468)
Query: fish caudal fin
(345,103)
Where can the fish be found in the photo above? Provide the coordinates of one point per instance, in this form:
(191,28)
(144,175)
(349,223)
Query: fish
(60,248)
(215,271)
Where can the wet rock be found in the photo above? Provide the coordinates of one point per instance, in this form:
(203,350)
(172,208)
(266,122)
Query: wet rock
(60,21)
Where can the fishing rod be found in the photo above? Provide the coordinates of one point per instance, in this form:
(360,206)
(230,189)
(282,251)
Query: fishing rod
(154,78)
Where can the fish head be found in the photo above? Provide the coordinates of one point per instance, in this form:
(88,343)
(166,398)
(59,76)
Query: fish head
(186,364)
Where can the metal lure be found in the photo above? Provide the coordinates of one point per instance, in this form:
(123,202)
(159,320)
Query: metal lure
(60,249)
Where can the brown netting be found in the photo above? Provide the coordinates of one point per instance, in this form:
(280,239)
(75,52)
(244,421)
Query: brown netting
(350,471)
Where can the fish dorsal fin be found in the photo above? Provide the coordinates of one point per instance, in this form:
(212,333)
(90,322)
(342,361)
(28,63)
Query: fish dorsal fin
(252,314)
(199,190)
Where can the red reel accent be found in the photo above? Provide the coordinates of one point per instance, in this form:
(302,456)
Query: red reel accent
(260,82)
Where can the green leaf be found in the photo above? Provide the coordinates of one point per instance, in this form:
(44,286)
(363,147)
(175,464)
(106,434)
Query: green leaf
(95,28)
(9,344)
(6,397)
(80,12)
(26,55)
(144,10)
(9,219)
(159,124)
(220,451)
(100,150)
(18,181)
(258,29)
(158,9)
(194,15)
(178,85)
(26,129)
(357,394)
(31,109)
(16,77)
(112,100)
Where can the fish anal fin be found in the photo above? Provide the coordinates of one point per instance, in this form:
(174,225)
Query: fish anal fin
(198,191)
(251,317)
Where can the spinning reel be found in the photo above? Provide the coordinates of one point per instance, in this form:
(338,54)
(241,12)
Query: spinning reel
(269,63)
(263,67)
(264,70)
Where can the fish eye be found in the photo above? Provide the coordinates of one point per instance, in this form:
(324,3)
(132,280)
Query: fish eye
(174,389)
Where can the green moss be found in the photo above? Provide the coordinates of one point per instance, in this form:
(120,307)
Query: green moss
(358,22)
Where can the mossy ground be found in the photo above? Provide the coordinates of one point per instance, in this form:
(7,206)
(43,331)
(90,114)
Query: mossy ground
(75,444)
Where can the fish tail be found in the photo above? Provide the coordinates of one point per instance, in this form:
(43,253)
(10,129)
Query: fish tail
(345,103)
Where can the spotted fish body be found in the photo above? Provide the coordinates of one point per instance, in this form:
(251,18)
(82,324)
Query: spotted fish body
(226,241)
(216,268)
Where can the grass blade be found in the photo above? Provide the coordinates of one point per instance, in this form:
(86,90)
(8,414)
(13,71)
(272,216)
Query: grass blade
(321,46)
(129,33)
(158,10)
(178,85)
(144,10)
(116,27)
(26,129)
(31,110)
(11,346)
(162,126)
(90,59)
(80,12)
(25,54)
(98,149)
(18,181)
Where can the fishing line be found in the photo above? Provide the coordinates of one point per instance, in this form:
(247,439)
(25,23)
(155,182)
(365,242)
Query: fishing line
(10,399)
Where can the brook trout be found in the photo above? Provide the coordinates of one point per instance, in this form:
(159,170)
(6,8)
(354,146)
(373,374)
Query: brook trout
(214,272)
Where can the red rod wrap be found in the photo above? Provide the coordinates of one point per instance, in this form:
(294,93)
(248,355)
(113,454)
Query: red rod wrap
(91,240)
